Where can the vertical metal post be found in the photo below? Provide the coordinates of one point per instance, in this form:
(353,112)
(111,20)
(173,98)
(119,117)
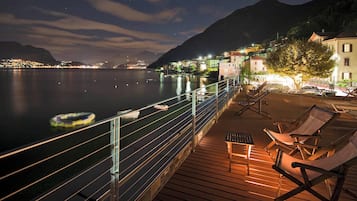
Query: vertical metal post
(227,90)
(217,88)
(115,142)
(193,120)
(234,86)
(260,106)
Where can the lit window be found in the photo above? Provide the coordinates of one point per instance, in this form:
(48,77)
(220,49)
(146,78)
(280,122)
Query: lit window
(346,75)
(347,47)
(347,62)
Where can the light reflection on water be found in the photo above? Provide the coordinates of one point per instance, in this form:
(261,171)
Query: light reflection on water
(30,97)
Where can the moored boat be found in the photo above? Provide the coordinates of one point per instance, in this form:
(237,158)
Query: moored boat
(129,114)
(70,120)
(161,107)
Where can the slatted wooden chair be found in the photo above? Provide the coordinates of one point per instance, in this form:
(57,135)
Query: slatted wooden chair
(253,101)
(307,174)
(351,93)
(306,127)
(258,90)
(343,108)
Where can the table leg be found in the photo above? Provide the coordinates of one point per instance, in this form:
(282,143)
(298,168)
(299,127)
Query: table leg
(249,149)
(229,148)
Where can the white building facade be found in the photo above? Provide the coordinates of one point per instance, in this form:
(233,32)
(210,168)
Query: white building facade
(257,64)
(228,70)
(344,47)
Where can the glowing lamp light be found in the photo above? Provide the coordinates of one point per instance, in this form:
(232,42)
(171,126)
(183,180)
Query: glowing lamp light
(203,66)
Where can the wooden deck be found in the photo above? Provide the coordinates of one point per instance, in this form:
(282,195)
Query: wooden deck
(205,176)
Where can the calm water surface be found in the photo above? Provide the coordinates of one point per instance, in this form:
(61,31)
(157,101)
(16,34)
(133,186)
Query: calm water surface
(30,97)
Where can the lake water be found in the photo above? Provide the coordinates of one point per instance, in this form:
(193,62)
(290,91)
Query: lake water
(30,97)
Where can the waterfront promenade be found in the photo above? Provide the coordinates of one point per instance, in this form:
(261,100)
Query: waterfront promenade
(204,175)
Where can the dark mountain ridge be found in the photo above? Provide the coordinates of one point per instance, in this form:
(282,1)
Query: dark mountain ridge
(15,50)
(255,23)
(339,16)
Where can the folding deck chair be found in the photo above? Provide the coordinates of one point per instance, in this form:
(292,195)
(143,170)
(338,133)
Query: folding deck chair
(254,101)
(351,93)
(306,127)
(307,174)
(258,90)
(343,108)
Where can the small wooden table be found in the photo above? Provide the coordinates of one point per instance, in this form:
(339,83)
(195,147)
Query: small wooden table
(239,138)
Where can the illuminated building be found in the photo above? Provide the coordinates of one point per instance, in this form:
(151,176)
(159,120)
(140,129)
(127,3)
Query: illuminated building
(344,47)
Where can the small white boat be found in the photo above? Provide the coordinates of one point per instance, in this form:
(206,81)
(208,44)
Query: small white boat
(161,107)
(129,114)
(71,120)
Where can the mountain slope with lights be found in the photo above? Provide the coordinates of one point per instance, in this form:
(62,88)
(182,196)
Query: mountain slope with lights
(15,50)
(252,24)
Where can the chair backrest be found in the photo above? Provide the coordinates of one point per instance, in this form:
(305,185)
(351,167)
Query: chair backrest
(341,157)
(316,119)
(262,86)
(258,90)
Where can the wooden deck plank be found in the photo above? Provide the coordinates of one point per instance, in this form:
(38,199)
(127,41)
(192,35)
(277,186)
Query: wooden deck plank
(213,188)
(176,192)
(205,176)
(193,190)
(234,186)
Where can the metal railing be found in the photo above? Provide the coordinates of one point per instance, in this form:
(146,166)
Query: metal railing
(118,158)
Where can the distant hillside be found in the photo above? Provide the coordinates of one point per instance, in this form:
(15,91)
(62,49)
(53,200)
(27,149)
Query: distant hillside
(118,60)
(17,51)
(339,16)
(255,23)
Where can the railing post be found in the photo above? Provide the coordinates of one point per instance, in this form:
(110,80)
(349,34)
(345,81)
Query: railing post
(234,84)
(193,120)
(217,88)
(115,142)
(227,90)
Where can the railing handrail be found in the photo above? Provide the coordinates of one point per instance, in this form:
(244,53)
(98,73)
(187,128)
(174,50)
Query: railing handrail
(169,131)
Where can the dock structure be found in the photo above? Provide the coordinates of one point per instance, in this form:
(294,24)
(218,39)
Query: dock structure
(205,173)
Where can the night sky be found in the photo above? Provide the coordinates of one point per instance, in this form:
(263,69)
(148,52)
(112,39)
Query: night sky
(97,30)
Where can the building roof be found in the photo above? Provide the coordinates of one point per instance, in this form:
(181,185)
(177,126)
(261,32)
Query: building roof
(326,34)
(347,35)
(323,35)
(257,58)
(237,53)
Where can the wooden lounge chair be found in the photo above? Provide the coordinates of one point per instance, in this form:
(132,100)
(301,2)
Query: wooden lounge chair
(306,127)
(254,101)
(307,174)
(343,108)
(329,149)
(351,93)
(258,90)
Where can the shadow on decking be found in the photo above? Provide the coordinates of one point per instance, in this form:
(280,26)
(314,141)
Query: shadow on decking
(205,176)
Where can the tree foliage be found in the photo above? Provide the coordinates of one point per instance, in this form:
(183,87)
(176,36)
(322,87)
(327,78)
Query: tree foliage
(245,73)
(299,57)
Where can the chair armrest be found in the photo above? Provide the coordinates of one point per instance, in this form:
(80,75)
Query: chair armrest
(283,122)
(316,169)
(306,145)
(322,151)
(304,135)
(285,125)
